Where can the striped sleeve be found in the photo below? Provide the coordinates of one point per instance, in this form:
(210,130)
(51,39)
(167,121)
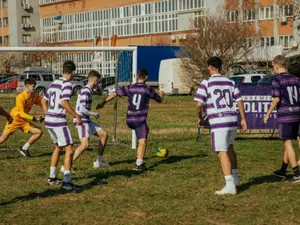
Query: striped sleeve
(236,94)
(201,94)
(85,95)
(46,95)
(122,91)
(66,91)
(276,88)
(154,95)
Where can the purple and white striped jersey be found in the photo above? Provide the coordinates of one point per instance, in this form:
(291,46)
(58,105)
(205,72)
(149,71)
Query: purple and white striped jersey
(139,95)
(84,104)
(219,94)
(60,89)
(286,87)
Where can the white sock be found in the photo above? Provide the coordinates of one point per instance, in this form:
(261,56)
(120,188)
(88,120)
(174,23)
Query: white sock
(235,172)
(26,146)
(139,162)
(67,176)
(99,158)
(52,172)
(229,181)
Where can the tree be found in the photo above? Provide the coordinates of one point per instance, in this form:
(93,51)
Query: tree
(214,36)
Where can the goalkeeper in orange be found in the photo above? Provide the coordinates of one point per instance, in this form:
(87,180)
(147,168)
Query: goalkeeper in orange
(22,120)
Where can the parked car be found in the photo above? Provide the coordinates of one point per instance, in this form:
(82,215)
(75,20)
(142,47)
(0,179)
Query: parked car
(43,81)
(10,84)
(79,78)
(247,78)
(266,79)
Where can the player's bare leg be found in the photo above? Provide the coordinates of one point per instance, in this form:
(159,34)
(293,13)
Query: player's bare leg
(101,147)
(84,143)
(4,137)
(282,171)
(68,163)
(36,134)
(140,166)
(288,147)
(226,168)
(234,167)
(53,165)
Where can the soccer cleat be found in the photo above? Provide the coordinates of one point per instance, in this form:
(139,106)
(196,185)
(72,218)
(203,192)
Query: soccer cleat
(53,181)
(227,191)
(24,152)
(279,173)
(140,168)
(296,179)
(102,164)
(68,186)
(236,180)
(62,169)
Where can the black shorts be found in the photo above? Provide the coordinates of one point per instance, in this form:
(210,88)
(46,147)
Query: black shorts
(289,131)
(141,129)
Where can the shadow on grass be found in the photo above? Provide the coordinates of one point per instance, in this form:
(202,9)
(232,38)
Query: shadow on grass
(175,159)
(256,138)
(259,180)
(34,195)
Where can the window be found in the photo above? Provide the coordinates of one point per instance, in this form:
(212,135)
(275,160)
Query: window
(47,77)
(26,38)
(266,13)
(36,77)
(4,3)
(267,41)
(5,40)
(285,41)
(5,21)
(286,10)
(25,19)
(232,16)
(255,79)
(249,15)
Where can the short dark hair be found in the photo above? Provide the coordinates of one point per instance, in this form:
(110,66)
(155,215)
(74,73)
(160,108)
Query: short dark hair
(69,66)
(94,73)
(30,81)
(294,69)
(215,62)
(142,74)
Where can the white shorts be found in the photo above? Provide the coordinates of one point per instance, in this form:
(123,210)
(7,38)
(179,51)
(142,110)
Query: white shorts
(221,140)
(88,129)
(61,136)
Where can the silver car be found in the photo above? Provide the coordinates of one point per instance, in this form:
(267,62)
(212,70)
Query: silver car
(43,81)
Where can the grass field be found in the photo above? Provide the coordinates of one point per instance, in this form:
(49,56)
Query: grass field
(176,190)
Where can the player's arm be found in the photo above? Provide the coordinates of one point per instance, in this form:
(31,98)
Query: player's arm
(240,104)
(157,97)
(44,105)
(200,98)
(66,105)
(106,100)
(271,109)
(20,103)
(83,110)
(276,98)
(6,114)
(237,97)
(199,111)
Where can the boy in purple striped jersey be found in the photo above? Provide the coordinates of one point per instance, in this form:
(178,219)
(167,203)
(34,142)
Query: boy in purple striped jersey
(286,94)
(218,94)
(58,97)
(88,127)
(294,69)
(139,95)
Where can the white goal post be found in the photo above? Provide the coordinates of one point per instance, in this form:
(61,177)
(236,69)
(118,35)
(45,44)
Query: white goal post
(84,49)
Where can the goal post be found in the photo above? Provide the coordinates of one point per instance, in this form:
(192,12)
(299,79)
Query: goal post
(73,50)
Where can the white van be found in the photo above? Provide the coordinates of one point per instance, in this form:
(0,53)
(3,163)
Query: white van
(170,77)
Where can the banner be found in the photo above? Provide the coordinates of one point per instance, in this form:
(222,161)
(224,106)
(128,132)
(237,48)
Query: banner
(257,100)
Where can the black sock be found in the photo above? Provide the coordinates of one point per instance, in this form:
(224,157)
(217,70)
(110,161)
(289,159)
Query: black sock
(296,171)
(284,167)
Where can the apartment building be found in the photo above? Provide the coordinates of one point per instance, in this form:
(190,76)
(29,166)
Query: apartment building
(20,22)
(272,19)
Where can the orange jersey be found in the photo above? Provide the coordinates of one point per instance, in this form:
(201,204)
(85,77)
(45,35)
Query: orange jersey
(24,103)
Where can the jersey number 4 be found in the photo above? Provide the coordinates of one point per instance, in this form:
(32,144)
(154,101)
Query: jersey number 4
(136,101)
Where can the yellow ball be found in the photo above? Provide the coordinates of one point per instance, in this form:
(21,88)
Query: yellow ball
(162,152)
